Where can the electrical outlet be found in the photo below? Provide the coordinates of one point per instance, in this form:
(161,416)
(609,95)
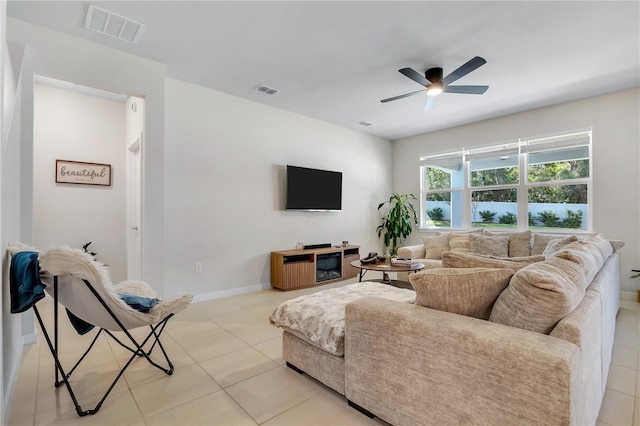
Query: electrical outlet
(198,267)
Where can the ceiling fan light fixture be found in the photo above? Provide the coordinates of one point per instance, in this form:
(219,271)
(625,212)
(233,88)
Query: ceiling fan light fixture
(435,89)
(435,84)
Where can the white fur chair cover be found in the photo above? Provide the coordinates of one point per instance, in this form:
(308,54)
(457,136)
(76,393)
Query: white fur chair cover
(73,265)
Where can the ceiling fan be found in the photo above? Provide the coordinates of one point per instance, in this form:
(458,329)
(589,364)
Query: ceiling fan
(435,84)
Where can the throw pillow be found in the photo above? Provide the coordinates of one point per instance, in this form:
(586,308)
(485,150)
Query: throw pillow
(519,242)
(459,242)
(493,246)
(604,246)
(616,245)
(541,294)
(465,291)
(540,242)
(474,260)
(585,255)
(557,244)
(435,246)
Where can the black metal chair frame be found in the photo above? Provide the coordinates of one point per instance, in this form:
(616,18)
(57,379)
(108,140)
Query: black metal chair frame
(137,350)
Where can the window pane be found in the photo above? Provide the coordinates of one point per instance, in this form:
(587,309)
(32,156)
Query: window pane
(495,208)
(443,210)
(494,171)
(558,206)
(436,178)
(443,171)
(568,163)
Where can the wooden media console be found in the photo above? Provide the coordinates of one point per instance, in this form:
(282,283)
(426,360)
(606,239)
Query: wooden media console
(294,269)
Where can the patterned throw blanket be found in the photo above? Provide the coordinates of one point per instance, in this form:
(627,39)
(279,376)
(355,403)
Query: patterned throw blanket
(320,316)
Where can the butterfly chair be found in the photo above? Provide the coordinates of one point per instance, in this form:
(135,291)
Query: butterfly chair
(83,286)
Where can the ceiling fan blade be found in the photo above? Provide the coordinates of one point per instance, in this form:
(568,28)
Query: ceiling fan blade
(429,103)
(464,70)
(406,95)
(472,90)
(415,76)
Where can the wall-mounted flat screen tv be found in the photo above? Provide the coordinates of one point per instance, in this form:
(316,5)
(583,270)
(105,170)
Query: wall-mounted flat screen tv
(313,189)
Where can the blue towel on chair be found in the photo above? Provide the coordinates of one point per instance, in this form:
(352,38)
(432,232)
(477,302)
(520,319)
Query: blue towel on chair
(139,303)
(80,325)
(24,279)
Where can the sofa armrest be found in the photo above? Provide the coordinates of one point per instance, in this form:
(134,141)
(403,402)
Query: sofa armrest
(413,365)
(412,252)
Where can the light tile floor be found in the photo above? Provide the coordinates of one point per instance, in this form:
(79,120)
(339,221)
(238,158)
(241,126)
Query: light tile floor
(230,371)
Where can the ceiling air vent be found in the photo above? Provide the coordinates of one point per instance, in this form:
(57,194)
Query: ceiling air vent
(266,90)
(113,25)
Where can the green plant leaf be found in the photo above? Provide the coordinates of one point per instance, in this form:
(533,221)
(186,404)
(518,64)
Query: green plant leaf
(399,221)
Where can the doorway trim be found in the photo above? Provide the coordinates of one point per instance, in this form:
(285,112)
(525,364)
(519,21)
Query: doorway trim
(134,209)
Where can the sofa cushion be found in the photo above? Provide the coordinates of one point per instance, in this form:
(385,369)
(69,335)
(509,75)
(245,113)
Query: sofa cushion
(474,260)
(541,294)
(604,246)
(558,243)
(540,242)
(491,245)
(586,254)
(435,245)
(519,242)
(459,242)
(465,291)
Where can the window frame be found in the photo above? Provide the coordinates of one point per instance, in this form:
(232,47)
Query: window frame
(523,148)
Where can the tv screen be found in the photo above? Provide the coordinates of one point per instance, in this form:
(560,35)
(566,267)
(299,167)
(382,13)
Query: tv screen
(313,189)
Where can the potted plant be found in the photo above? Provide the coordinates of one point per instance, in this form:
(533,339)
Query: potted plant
(399,221)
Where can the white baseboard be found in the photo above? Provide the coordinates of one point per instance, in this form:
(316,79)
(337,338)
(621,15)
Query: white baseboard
(231,292)
(30,339)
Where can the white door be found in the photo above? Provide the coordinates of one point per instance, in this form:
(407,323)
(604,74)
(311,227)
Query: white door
(134,215)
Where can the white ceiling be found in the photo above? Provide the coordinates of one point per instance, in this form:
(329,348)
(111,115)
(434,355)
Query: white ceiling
(336,60)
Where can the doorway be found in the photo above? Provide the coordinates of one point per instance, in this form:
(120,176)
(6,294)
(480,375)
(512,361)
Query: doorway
(79,123)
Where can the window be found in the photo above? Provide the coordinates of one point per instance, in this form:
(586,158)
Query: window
(442,191)
(558,178)
(494,176)
(539,184)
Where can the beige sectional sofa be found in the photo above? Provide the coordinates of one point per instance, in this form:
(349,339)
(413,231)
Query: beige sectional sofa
(480,241)
(528,342)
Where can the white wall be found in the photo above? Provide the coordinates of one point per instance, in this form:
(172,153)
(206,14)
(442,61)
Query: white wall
(12,325)
(224,183)
(77,127)
(56,55)
(3,90)
(616,149)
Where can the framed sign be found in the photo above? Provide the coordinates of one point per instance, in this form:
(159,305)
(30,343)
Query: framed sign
(83,173)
